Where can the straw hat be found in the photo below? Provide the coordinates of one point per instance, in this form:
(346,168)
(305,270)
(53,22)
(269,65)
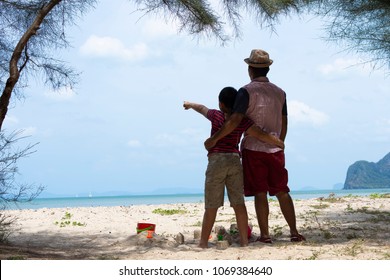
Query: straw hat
(258,59)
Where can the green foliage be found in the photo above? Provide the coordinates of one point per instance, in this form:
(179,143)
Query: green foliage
(327,234)
(355,249)
(195,16)
(26,53)
(351,196)
(362,26)
(320,206)
(314,256)
(17,257)
(277,230)
(66,221)
(377,195)
(67,216)
(197,224)
(200,17)
(331,198)
(165,212)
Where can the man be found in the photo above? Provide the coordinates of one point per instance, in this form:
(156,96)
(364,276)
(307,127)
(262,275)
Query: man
(263,164)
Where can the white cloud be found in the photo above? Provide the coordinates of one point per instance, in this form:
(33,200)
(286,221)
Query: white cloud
(382,128)
(12,120)
(180,139)
(113,47)
(159,28)
(165,139)
(342,65)
(134,143)
(299,112)
(194,133)
(64,93)
(28,131)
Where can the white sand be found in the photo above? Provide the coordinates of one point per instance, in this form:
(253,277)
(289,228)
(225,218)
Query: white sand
(347,228)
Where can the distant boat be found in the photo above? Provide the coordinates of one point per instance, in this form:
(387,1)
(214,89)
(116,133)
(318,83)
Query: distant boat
(90,194)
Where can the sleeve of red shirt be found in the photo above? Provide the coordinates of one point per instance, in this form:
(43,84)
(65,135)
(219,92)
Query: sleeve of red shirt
(210,114)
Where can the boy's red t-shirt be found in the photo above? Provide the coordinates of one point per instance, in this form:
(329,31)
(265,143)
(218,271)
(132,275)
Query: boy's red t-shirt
(229,143)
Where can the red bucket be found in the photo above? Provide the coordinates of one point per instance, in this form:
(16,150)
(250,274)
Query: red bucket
(249,232)
(145,227)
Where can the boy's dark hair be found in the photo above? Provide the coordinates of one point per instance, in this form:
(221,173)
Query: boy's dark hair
(259,72)
(227,96)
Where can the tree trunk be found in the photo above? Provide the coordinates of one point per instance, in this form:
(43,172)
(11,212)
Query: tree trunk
(14,71)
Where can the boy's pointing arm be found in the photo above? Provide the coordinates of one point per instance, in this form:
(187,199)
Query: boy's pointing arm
(197,107)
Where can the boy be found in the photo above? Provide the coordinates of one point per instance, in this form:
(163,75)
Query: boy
(224,165)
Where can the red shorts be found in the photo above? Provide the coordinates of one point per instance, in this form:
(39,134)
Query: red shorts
(264,172)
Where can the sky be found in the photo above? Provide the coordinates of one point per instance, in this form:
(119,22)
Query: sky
(123,128)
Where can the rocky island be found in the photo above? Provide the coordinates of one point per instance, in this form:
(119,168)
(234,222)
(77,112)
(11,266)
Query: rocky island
(369,175)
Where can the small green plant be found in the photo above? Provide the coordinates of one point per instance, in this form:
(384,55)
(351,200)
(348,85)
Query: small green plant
(327,234)
(377,195)
(197,224)
(67,216)
(332,198)
(386,256)
(277,231)
(376,215)
(322,225)
(314,256)
(320,206)
(16,258)
(352,236)
(166,212)
(355,249)
(66,221)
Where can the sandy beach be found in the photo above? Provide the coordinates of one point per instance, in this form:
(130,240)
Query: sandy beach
(336,228)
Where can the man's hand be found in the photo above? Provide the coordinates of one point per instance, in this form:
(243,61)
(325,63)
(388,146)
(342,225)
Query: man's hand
(209,143)
(280,144)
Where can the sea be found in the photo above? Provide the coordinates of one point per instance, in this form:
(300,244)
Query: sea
(129,200)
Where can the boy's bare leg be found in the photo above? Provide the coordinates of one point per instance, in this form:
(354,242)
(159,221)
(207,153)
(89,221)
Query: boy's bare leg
(242,223)
(208,221)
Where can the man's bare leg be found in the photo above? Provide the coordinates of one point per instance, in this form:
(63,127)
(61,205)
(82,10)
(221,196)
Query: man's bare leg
(287,207)
(262,212)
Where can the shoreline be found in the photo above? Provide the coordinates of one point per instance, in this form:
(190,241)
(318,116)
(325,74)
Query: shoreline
(130,200)
(336,228)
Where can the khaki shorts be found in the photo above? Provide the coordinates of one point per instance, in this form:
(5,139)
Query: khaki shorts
(224,169)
